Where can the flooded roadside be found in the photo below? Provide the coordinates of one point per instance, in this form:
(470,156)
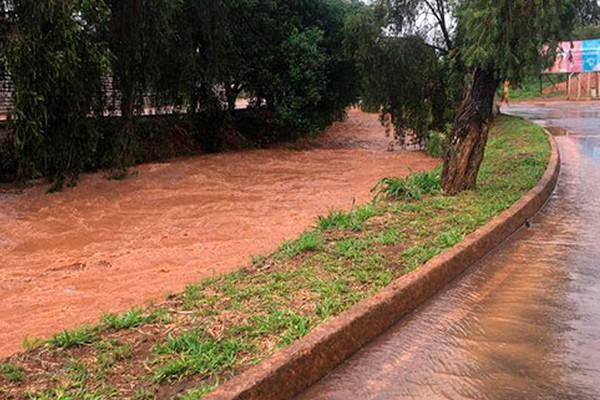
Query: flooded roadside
(108,246)
(522,324)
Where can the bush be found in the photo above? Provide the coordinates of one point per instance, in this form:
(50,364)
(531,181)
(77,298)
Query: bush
(413,187)
(436,144)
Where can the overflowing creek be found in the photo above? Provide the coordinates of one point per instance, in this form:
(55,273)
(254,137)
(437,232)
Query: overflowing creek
(106,246)
(524,323)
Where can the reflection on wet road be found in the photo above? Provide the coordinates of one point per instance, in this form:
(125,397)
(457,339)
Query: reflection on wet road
(524,323)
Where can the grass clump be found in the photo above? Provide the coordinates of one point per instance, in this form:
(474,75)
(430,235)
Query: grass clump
(352,221)
(76,337)
(413,187)
(223,325)
(129,319)
(194,353)
(308,241)
(12,372)
(436,144)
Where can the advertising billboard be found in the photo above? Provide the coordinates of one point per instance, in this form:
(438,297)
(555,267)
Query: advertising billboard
(577,56)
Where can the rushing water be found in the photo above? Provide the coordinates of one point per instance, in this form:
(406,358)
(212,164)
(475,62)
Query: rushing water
(524,323)
(107,246)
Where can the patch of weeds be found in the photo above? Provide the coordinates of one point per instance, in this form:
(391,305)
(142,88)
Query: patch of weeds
(349,248)
(308,241)
(76,337)
(195,394)
(353,220)
(31,344)
(64,393)
(12,372)
(194,352)
(419,255)
(143,394)
(449,238)
(413,187)
(77,372)
(111,352)
(389,237)
(128,319)
(333,220)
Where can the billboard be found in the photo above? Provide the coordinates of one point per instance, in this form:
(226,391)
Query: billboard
(577,56)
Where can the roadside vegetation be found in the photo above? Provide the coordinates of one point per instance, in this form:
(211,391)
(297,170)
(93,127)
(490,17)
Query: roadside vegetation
(106,84)
(530,89)
(195,340)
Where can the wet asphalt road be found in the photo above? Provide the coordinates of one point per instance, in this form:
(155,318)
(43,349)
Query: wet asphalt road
(524,323)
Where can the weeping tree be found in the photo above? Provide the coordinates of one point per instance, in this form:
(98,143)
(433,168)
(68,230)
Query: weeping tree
(401,76)
(500,40)
(190,66)
(140,33)
(56,60)
(492,41)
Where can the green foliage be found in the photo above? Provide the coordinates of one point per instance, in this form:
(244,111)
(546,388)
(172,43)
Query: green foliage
(586,32)
(353,220)
(402,76)
(79,63)
(413,187)
(56,60)
(436,144)
(308,241)
(289,56)
(12,372)
(195,353)
(128,319)
(506,36)
(76,337)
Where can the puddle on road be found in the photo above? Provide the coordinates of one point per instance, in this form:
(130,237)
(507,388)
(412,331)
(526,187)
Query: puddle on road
(522,324)
(108,246)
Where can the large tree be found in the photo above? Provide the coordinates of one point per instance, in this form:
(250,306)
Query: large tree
(139,34)
(493,40)
(500,39)
(56,60)
(401,76)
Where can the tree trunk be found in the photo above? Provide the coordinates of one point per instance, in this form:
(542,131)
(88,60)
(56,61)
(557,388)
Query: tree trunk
(469,134)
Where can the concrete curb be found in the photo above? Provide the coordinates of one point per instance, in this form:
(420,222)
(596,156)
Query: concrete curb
(297,367)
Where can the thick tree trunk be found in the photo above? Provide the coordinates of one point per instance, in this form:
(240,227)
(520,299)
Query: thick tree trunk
(469,134)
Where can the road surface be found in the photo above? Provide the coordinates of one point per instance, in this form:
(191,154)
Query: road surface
(524,323)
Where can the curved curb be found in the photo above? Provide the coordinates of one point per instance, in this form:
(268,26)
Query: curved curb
(297,367)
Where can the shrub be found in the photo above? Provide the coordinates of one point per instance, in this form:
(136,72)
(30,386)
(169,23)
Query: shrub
(413,187)
(436,144)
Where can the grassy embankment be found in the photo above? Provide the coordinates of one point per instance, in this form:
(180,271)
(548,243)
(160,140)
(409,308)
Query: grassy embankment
(530,90)
(221,326)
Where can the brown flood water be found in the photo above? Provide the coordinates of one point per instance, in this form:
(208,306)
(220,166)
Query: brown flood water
(524,323)
(107,246)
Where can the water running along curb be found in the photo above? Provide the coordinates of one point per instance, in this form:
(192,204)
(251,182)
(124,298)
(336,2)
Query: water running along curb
(300,365)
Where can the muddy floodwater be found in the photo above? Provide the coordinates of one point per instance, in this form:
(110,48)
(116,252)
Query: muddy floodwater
(524,323)
(107,246)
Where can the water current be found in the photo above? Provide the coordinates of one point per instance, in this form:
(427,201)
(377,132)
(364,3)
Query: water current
(108,246)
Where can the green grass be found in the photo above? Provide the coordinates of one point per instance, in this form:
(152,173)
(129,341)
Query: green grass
(12,372)
(130,319)
(221,326)
(413,187)
(76,337)
(530,89)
